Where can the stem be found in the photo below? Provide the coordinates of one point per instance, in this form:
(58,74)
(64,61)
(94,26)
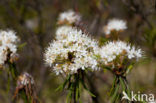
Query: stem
(74,94)
(75,86)
(12,73)
(25,97)
(114,90)
(93,89)
(13,70)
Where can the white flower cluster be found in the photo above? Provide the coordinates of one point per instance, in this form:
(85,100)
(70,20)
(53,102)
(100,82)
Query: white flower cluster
(25,79)
(117,49)
(76,51)
(73,50)
(62,31)
(69,16)
(8,41)
(114,24)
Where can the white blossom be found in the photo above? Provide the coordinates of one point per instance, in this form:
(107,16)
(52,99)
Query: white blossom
(117,49)
(76,51)
(62,31)
(8,41)
(115,24)
(69,16)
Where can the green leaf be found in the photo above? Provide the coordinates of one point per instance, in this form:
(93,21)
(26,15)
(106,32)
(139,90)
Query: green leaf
(129,68)
(8,84)
(115,93)
(91,94)
(113,85)
(60,88)
(122,84)
(128,91)
(77,88)
(85,87)
(21,46)
(77,93)
(69,97)
(13,73)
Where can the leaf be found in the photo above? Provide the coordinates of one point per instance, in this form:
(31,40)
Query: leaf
(122,84)
(69,97)
(129,68)
(13,72)
(21,46)
(67,80)
(85,87)
(115,93)
(77,89)
(77,93)
(60,88)
(90,93)
(113,85)
(128,91)
(8,84)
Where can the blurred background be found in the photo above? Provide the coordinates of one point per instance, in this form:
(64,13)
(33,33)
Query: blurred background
(35,23)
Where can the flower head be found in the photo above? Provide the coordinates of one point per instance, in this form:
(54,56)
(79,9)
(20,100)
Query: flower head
(69,17)
(114,53)
(25,82)
(76,51)
(62,32)
(114,24)
(25,79)
(8,41)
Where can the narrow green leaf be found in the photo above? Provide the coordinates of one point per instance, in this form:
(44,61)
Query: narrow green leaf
(122,84)
(129,68)
(113,85)
(60,88)
(91,93)
(21,46)
(85,87)
(77,94)
(69,97)
(115,93)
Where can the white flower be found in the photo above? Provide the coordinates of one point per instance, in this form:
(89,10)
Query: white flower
(76,51)
(61,32)
(115,24)
(3,55)
(69,16)
(117,49)
(8,41)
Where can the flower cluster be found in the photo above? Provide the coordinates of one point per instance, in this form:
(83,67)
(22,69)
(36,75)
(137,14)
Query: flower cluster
(116,52)
(69,17)
(114,24)
(25,79)
(25,82)
(62,31)
(73,49)
(8,48)
(76,51)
